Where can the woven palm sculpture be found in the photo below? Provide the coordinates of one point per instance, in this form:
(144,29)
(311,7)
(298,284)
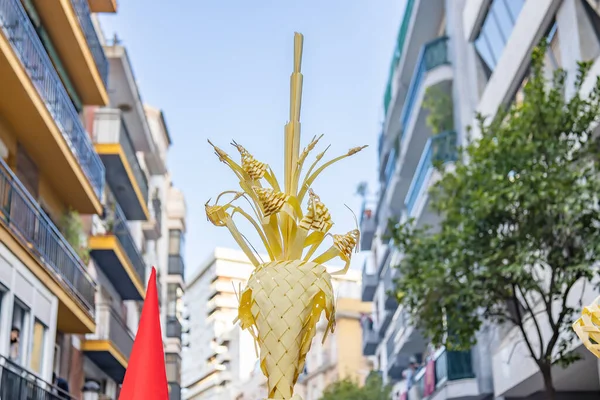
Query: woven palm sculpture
(587,327)
(286,295)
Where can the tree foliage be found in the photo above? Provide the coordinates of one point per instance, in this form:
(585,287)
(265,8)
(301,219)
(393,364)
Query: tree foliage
(520,226)
(347,389)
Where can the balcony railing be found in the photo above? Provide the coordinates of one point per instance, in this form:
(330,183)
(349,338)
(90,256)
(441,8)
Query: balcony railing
(25,218)
(82,10)
(433,54)
(121,231)
(173,327)
(16,383)
(439,148)
(369,284)
(176,265)
(454,365)
(370,339)
(128,149)
(110,326)
(387,98)
(23,37)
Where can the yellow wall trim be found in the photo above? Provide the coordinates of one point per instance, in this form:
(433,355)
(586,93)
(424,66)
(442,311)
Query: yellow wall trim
(87,52)
(116,149)
(105,345)
(47,278)
(110,242)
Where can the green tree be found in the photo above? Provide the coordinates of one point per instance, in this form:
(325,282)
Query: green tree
(347,389)
(441,109)
(520,227)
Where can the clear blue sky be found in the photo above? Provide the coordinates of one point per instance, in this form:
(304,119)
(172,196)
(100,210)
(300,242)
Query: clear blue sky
(220,70)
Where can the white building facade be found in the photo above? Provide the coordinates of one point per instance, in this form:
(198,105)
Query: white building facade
(477,53)
(211,302)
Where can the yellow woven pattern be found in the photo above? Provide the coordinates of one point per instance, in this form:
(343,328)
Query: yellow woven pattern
(255,169)
(317,217)
(346,243)
(271,201)
(587,327)
(285,300)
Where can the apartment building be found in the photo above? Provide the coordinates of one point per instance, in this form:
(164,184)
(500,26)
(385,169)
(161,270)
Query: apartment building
(52,65)
(212,305)
(477,53)
(79,229)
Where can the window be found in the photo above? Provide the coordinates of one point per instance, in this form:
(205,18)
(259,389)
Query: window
(17,333)
(496,30)
(37,346)
(176,242)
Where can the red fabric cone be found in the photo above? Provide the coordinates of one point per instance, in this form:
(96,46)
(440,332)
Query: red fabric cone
(146,378)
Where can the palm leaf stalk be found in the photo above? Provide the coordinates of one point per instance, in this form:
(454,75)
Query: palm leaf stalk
(287,294)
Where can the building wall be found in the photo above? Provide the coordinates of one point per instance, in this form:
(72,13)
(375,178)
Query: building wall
(19,285)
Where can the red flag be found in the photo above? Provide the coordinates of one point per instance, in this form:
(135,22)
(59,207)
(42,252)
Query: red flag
(146,378)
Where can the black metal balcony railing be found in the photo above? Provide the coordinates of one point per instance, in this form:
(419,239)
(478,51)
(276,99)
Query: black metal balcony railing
(173,327)
(129,150)
(121,231)
(16,383)
(82,10)
(25,218)
(17,27)
(176,265)
(110,326)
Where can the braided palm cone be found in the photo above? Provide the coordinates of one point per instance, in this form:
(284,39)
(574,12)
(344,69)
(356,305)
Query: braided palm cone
(287,294)
(284,301)
(587,327)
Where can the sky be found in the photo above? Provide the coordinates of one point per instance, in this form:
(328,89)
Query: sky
(220,70)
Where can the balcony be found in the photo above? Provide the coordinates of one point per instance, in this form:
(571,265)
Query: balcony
(454,378)
(110,347)
(408,340)
(441,148)
(370,340)
(391,302)
(44,119)
(176,265)
(153,227)
(123,171)
(17,383)
(433,69)
(72,32)
(411,38)
(394,366)
(29,233)
(103,6)
(368,225)
(369,285)
(173,327)
(389,89)
(116,254)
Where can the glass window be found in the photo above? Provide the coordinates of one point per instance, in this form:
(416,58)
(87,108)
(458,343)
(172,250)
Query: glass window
(17,332)
(37,346)
(496,30)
